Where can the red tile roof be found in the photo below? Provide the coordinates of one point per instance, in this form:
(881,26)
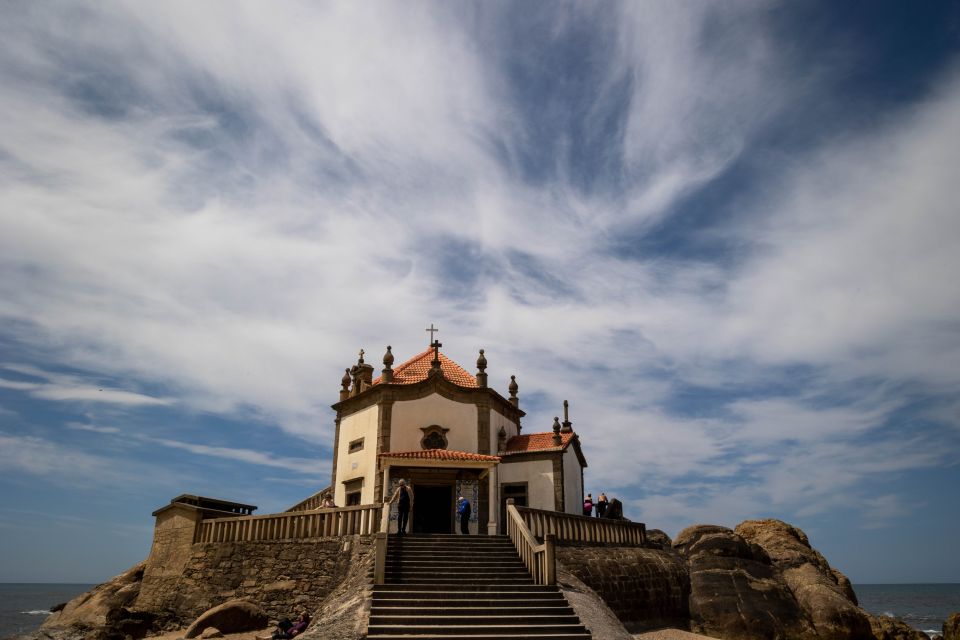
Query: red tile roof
(537,442)
(440,454)
(417,368)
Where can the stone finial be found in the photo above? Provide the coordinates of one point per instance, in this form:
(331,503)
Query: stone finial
(502,439)
(567,425)
(387,374)
(482,370)
(360,360)
(513,388)
(345,384)
(557,440)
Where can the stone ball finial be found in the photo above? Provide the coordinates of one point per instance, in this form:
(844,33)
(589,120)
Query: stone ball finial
(556,424)
(388,358)
(345,380)
(360,360)
(482,362)
(514,387)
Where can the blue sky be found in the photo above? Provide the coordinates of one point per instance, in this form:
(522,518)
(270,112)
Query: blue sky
(726,232)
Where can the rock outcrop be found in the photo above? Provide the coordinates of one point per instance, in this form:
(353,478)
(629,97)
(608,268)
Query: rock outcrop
(822,592)
(887,628)
(102,606)
(951,627)
(735,592)
(233,616)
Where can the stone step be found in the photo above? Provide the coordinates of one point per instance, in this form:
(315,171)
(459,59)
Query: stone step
(478,635)
(470,607)
(446,570)
(474,620)
(460,590)
(500,631)
(467,561)
(449,581)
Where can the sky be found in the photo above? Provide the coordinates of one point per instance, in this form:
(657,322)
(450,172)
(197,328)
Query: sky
(726,232)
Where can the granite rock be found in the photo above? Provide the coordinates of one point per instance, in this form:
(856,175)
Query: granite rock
(824,595)
(889,628)
(233,616)
(951,627)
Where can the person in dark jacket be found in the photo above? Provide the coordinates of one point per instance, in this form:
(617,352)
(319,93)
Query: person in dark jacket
(403,496)
(463,510)
(286,629)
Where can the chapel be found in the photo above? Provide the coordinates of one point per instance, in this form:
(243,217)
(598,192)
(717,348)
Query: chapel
(446,433)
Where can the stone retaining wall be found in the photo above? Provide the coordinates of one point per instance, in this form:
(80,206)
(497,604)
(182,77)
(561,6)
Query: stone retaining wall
(646,588)
(279,576)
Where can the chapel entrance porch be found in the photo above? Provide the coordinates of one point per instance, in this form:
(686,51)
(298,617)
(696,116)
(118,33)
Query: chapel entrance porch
(436,484)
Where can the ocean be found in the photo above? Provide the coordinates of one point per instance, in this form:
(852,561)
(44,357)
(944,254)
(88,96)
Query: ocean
(23,607)
(922,606)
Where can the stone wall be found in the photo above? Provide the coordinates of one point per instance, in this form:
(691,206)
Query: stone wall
(279,576)
(646,588)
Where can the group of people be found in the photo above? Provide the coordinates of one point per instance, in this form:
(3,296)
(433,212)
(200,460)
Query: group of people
(600,506)
(403,496)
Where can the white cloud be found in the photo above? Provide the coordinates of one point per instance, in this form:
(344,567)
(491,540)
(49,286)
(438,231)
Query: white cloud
(292,464)
(63,387)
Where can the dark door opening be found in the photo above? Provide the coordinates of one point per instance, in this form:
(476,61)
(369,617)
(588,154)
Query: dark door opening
(432,509)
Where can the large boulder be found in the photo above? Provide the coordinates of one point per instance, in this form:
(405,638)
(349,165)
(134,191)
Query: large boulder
(889,628)
(734,590)
(824,595)
(234,616)
(102,605)
(951,627)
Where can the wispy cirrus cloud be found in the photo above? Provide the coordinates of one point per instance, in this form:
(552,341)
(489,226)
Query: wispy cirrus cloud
(64,387)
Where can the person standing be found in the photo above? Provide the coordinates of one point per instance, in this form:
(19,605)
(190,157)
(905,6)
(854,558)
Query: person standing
(601,505)
(403,496)
(464,510)
(588,505)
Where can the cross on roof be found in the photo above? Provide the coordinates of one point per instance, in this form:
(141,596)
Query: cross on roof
(436,351)
(431,331)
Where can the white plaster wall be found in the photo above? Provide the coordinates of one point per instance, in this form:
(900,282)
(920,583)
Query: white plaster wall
(363,463)
(538,474)
(409,416)
(572,488)
(498,420)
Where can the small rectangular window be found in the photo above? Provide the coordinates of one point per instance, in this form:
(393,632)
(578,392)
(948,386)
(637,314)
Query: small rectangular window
(356,445)
(352,490)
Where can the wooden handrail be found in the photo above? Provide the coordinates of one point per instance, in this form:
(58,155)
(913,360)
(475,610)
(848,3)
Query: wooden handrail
(567,527)
(539,559)
(321,523)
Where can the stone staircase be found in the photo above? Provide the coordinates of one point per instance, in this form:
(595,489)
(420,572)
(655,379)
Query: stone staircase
(465,587)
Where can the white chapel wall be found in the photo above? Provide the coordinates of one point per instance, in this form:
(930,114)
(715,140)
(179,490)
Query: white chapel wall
(538,474)
(409,416)
(363,463)
(498,420)
(572,487)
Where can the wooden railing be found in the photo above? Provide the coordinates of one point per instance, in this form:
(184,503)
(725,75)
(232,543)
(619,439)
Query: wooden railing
(583,529)
(311,503)
(539,559)
(323,523)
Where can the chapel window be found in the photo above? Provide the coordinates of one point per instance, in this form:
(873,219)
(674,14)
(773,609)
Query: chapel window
(434,437)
